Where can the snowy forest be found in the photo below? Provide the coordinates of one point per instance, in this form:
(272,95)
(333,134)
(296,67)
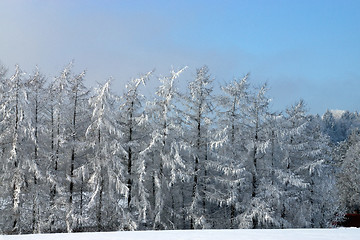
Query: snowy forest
(78,159)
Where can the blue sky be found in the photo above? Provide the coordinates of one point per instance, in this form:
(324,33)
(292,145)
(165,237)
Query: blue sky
(303,49)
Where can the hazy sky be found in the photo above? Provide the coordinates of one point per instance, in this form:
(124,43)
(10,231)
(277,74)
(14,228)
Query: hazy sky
(307,49)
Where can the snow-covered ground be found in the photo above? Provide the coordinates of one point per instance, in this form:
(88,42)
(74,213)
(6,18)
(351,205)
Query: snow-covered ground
(274,234)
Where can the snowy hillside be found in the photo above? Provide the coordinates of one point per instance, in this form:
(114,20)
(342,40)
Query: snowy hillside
(276,234)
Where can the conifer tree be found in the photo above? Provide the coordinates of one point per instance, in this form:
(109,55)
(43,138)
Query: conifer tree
(229,147)
(107,170)
(133,125)
(257,211)
(57,118)
(14,137)
(297,149)
(347,155)
(198,107)
(77,117)
(164,150)
(36,91)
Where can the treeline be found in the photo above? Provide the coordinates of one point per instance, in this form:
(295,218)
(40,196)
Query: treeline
(79,160)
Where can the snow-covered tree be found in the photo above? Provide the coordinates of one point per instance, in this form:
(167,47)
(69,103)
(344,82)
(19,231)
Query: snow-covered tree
(348,154)
(107,170)
(273,170)
(77,116)
(133,124)
(15,131)
(164,150)
(36,91)
(339,124)
(58,154)
(70,162)
(329,126)
(197,114)
(293,131)
(318,171)
(307,158)
(4,188)
(257,212)
(229,147)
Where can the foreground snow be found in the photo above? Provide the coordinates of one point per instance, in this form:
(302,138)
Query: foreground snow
(274,234)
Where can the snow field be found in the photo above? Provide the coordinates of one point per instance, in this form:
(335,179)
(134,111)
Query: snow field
(243,234)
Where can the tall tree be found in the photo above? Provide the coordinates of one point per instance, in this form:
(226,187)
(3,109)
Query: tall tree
(197,114)
(257,212)
(229,146)
(58,124)
(318,171)
(15,138)
(36,91)
(133,124)
(164,150)
(347,154)
(107,177)
(300,160)
(79,117)
(4,187)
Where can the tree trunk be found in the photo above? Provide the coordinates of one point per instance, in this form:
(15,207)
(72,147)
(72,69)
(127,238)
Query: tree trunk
(129,170)
(99,208)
